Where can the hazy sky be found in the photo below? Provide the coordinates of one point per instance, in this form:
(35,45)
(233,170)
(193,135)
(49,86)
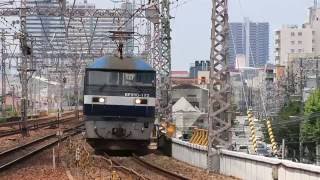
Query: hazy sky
(191,25)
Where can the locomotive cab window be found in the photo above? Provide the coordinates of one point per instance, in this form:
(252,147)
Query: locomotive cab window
(138,79)
(121,78)
(128,79)
(103,78)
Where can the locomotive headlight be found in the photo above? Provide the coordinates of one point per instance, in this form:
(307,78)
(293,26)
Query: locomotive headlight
(101,100)
(141,101)
(138,101)
(98,99)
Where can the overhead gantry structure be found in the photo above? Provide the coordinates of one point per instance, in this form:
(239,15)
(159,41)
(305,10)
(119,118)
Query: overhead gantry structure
(160,51)
(159,15)
(157,12)
(220,87)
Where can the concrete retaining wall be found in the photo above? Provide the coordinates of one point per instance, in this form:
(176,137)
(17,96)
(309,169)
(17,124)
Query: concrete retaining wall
(245,166)
(253,167)
(190,153)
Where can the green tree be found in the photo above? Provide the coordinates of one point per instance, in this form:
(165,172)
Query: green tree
(287,128)
(311,126)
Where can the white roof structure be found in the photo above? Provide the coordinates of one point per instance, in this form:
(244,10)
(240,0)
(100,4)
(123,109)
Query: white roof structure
(45,80)
(182,105)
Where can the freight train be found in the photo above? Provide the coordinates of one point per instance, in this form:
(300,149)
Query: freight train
(119,103)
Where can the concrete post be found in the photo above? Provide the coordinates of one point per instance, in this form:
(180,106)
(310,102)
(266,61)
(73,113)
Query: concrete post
(318,154)
(283,149)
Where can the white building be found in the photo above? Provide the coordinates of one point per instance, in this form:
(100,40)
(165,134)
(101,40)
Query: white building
(296,40)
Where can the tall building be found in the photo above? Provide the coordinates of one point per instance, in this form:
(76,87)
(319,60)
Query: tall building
(294,40)
(47,32)
(52,37)
(198,66)
(92,35)
(87,35)
(250,39)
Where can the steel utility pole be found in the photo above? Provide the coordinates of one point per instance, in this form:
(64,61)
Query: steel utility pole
(220,87)
(3,74)
(159,15)
(165,64)
(153,14)
(76,87)
(301,111)
(23,69)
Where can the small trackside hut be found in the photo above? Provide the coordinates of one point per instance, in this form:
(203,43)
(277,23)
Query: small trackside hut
(119,103)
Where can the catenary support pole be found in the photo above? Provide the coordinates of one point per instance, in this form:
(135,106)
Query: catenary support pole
(220,88)
(3,73)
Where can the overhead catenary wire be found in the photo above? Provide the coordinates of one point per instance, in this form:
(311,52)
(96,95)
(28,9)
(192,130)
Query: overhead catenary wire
(51,42)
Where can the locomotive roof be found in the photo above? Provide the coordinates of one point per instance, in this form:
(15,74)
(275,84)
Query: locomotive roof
(115,63)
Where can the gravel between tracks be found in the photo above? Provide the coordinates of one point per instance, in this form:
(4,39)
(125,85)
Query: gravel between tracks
(98,166)
(130,163)
(38,167)
(184,169)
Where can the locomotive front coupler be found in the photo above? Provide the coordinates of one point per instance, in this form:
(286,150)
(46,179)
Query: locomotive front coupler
(120,132)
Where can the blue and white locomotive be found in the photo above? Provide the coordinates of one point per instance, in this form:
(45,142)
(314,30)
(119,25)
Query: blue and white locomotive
(119,103)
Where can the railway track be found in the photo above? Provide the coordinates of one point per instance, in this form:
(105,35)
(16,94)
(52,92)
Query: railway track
(16,154)
(33,125)
(159,170)
(128,171)
(35,120)
(141,169)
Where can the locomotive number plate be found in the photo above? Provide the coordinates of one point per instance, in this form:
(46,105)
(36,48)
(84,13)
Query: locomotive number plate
(136,95)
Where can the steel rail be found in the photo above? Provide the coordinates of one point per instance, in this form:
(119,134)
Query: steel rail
(33,126)
(39,119)
(159,170)
(124,169)
(73,131)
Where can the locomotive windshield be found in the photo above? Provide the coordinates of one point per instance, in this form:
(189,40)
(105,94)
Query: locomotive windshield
(103,78)
(121,78)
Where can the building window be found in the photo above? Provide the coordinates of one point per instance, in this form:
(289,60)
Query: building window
(313,49)
(203,80)
(292,33)
(299,42)
(191,95)
(292,42)
(300,50)
(299,33)
(292,50)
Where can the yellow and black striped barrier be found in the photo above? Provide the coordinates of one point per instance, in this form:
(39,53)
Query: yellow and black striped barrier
(252,130)
(271,136)
(200,137)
